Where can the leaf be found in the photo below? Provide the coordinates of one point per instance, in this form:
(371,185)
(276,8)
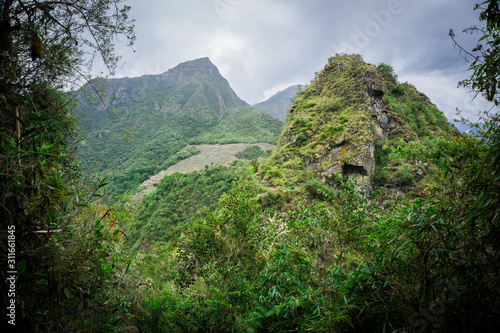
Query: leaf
(483,38)
(23,124)
(67,293)
(444,174)
(127,268)
(21,266)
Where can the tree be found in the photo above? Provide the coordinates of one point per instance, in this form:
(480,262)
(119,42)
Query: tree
(485,78)
(44,45)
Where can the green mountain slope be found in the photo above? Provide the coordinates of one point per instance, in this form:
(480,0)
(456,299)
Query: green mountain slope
(279,104)
(178,198)
(160,115)
(246,124)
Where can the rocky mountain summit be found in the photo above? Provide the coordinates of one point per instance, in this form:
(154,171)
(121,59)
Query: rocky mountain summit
(200,77)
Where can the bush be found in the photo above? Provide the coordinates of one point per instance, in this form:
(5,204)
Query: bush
(300,140)
(398,90)
(307,105)
(250,153)
(332,106)
(403,175)
(269,199)
(318,190)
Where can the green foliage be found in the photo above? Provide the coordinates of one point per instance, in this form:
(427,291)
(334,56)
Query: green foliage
(160,120)
(398,89)
(250,153)
(249,276)
(486,54)
(332,106)
(332,132)
(307,105)
(188,312)
(423,118)
(346,262)
(403,175)
(319,190)
(300,140)
(243,125)
(130,180)
(166,213)
(385,68)
(64,242)
(301,123)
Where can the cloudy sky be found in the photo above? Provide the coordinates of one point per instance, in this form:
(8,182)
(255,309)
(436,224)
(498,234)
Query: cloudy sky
(263,46)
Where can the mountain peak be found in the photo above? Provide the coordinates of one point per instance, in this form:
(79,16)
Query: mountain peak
(278,104)
(201,64)
(345,116)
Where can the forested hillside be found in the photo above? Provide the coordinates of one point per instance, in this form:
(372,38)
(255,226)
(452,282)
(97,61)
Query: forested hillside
(372,214)
(139,123)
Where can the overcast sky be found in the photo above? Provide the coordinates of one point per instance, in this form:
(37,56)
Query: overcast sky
(263,46)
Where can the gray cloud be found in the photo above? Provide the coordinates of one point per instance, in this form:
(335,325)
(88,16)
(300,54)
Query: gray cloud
(264,46)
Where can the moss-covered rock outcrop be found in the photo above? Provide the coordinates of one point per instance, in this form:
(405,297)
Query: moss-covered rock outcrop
(348,112)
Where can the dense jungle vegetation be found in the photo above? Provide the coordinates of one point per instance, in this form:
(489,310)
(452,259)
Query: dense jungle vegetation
(273,247)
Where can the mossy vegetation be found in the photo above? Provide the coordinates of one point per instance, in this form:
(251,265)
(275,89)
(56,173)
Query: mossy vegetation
(178,199)
(333,121)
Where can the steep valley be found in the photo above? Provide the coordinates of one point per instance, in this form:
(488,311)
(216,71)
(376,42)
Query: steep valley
(144,121)
(357,219)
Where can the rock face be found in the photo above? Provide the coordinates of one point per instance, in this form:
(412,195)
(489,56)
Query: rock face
(336,124)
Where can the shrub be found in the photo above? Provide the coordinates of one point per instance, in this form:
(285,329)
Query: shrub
(403,175)
(300,140)
(384,68)
(332,106)
(332,132)
(269,199)
(250,153)
(398,90)
(307,105)
(300,122)
(318,190)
